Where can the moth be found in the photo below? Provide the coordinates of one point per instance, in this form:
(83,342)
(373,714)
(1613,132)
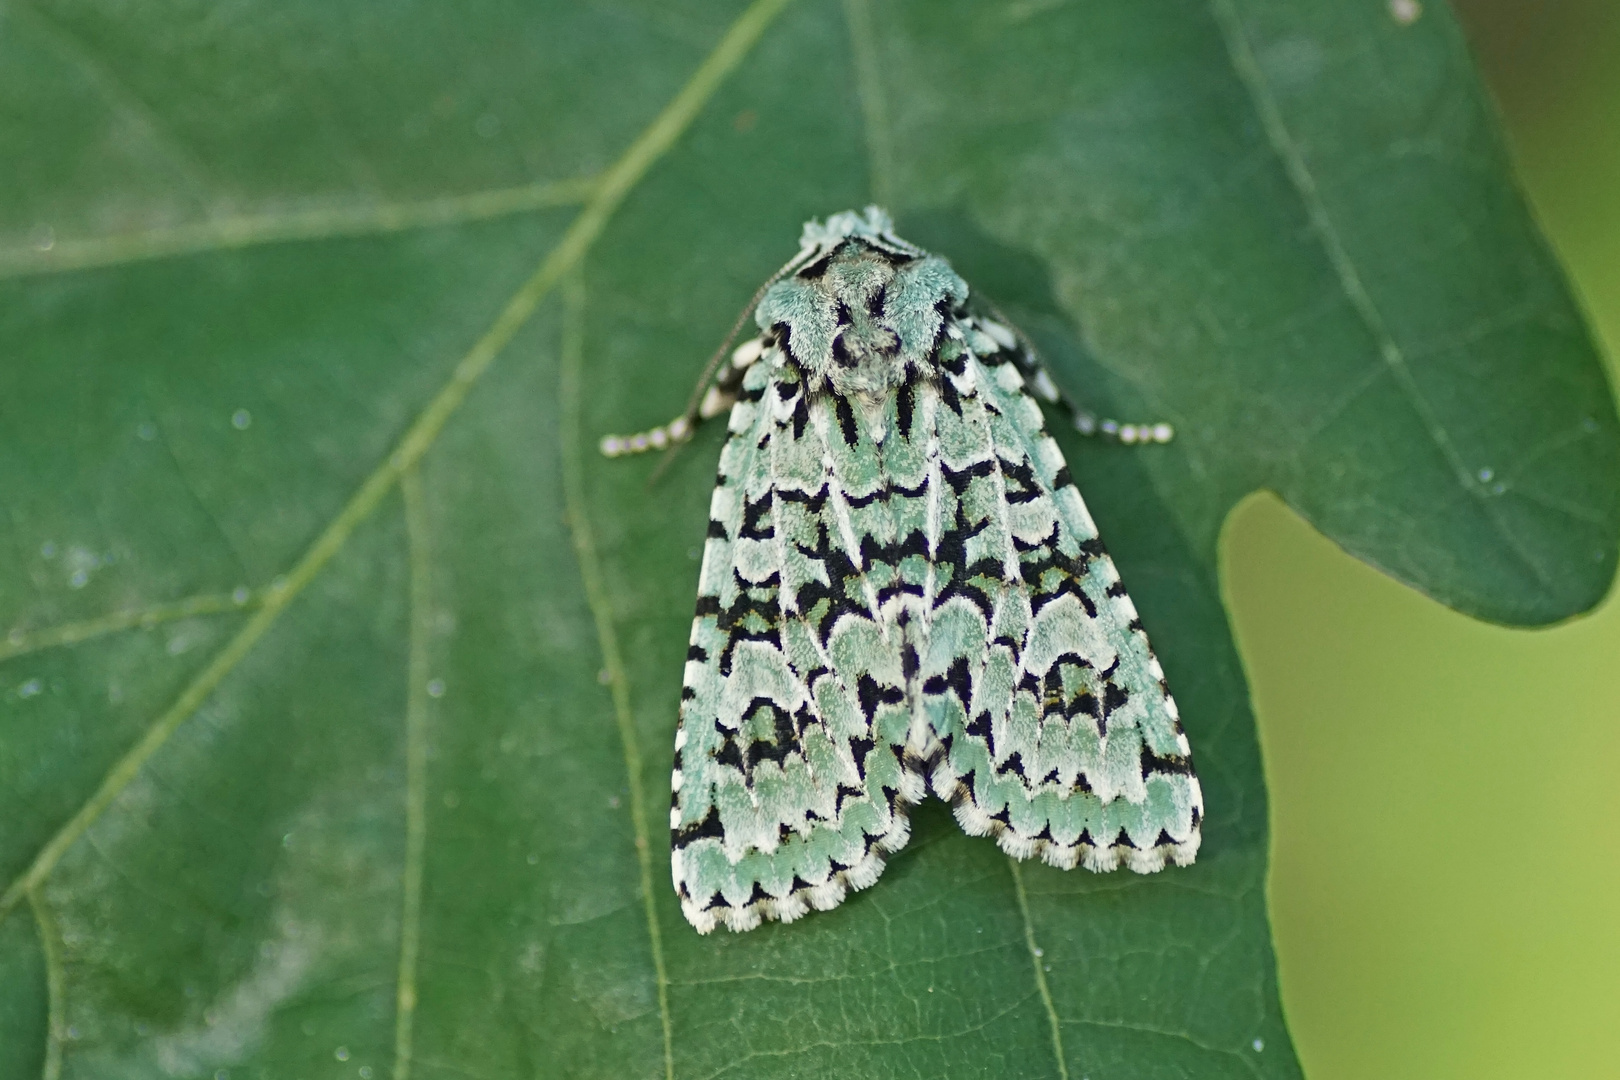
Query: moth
(902,593)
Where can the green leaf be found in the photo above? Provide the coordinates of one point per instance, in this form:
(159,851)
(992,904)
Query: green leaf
(337,704)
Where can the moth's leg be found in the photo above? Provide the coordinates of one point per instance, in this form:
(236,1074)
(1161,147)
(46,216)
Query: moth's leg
(719,397)
(1014,345)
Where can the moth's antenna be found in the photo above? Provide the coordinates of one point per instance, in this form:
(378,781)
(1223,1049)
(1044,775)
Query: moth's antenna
(719,356)
(1084,420)
(688,419)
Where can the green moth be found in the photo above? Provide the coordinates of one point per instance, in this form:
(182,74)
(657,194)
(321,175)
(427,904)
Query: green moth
(902,592)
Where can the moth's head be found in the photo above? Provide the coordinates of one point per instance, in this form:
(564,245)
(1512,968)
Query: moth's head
(859,306)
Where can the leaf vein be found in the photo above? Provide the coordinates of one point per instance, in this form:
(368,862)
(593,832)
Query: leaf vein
(894,967)
(419,556)
(116,91)
(1040,971)
(313,224)
(833,1044)
(1182,1036)
(596,597)
(874,104)
(1287,149)
(20,642)
(55,986)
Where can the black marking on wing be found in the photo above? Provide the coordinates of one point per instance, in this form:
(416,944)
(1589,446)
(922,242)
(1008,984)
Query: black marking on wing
(709,827)
(757,521)
(846,419)
(871,695)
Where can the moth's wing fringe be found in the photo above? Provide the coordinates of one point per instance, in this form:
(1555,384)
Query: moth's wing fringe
(1098,858)
(707,914)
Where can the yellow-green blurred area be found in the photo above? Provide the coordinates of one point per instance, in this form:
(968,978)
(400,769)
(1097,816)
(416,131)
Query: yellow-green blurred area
(1445,879)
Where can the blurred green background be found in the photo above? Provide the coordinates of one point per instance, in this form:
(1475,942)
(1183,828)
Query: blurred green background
(1446,845)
